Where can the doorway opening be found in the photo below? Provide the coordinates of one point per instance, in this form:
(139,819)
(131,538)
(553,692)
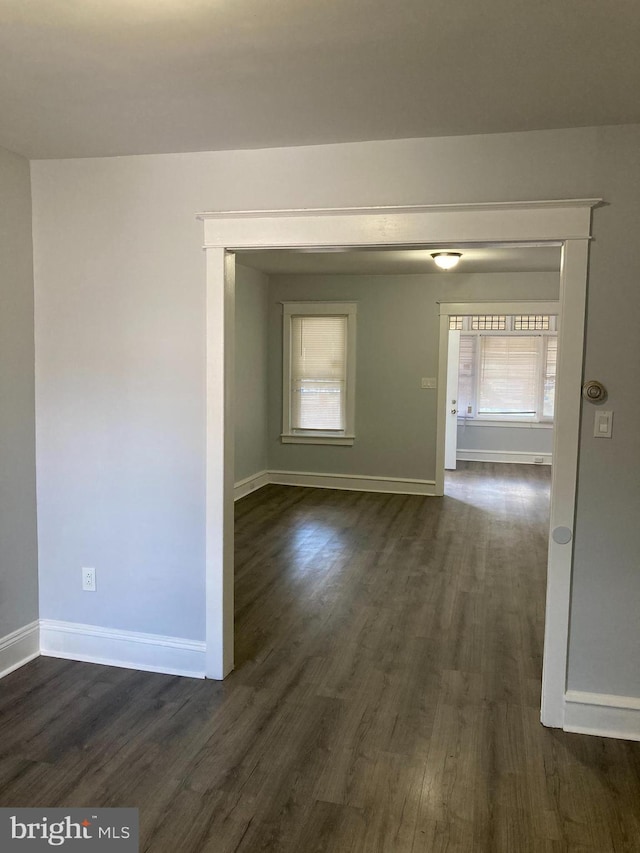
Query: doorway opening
(542,222)
(501,370)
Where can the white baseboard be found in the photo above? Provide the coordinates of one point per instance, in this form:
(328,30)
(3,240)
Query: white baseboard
(602,714)
(128,649)
(18,648)
(354,482)
(250,484)
(503,456)
(345,482)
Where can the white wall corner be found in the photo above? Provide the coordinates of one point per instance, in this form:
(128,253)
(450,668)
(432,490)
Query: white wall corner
(128,649)
(602,714)
(19,647)
(250,484)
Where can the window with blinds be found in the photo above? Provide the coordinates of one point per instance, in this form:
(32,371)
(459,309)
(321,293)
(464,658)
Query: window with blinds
(318,372)
(549,379)
(508,381)
(507,367)
(318,383)
(467,376)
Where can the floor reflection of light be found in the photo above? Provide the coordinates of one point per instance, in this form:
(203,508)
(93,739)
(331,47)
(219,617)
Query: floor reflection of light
(317,538)
(477,494)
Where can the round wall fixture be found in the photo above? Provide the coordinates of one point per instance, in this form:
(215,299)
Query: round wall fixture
(562,535)
(594,392)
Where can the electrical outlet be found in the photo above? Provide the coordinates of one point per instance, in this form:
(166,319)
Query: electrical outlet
(89,580)
(538,460)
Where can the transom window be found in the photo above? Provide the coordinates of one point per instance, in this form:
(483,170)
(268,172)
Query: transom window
(504,323)
(494,322)
(318,372)
(531,322)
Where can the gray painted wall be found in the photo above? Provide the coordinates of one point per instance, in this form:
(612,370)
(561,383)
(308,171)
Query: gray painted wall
(251,355)
(18,542)
(121,359)
(520,439)
(397,344)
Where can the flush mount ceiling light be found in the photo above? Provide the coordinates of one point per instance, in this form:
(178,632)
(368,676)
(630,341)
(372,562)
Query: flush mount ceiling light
(446,260)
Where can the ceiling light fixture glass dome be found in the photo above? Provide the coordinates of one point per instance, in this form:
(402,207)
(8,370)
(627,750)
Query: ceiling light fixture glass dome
(446,260)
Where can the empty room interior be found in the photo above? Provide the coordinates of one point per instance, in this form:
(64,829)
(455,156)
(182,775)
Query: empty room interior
(307,542)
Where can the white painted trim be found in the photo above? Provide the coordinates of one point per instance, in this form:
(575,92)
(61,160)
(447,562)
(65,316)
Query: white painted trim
(573,293)
(353,482)
(19,647)
(602,714)
(127,649)
(480,422)
(566,221)
(398,226)
(319,307)
(502,456)
(345,482)
(442,407)
(529,306)
(340,440)
(250,484)
(219,524)
(390,208)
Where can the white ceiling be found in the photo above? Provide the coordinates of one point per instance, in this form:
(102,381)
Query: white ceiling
(85,78)
(487,259)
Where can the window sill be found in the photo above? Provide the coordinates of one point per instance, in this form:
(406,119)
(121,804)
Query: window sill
(317,438)
(480,422)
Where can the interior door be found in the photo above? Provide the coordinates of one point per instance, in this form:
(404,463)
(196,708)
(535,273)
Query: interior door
(451,428)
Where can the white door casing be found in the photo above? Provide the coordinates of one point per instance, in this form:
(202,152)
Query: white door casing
(451,404)
(560,221)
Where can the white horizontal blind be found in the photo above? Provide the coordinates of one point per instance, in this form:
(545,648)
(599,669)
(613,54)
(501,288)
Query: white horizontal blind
(508,375)
(318,372)
(549,389)
(467,375)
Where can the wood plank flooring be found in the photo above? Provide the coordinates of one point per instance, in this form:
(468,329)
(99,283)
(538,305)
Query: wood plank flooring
(386,696)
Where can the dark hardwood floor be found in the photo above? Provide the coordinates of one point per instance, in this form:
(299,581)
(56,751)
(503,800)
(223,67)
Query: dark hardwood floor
(386,696)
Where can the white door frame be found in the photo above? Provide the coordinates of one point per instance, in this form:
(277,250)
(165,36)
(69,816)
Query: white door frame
(561,221)
(452,376)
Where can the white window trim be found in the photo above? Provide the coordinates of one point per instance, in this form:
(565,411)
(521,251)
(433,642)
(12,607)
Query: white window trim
(468,421)
(344,437)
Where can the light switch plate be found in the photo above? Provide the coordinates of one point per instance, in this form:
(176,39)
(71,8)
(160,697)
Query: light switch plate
(428,382)
(603,423)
